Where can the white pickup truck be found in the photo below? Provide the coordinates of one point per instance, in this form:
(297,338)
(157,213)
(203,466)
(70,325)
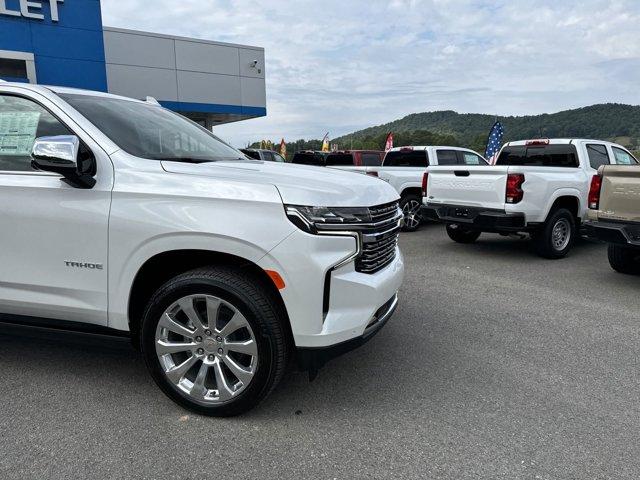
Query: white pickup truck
(539,187)
(404,167)
(122,217)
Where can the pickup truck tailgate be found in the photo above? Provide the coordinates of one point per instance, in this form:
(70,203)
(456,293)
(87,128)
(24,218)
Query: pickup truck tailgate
(620,194)
(468,186)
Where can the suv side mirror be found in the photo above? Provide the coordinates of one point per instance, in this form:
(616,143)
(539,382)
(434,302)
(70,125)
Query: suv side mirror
(65,155)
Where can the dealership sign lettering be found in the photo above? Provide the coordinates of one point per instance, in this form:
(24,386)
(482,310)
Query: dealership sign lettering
(31,9)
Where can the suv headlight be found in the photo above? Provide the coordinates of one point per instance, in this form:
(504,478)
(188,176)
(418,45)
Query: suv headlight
(313,219)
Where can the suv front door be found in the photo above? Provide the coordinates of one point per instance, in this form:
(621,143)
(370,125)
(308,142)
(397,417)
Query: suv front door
(53,241)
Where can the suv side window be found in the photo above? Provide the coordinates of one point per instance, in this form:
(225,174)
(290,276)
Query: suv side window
(622,157)
(267,156)
(21,122)
(447,157)
(598,155)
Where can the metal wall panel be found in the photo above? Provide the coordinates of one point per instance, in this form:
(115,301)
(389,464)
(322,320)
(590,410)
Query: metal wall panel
(197,87)
(140,82)
(253,92)
(139,50)
(207,58)
(247,58)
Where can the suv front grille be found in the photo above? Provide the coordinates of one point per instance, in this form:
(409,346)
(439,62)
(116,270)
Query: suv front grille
(379,243)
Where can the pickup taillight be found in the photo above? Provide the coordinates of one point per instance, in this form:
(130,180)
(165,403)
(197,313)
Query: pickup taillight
(425,180)
(514,191)
(594,192)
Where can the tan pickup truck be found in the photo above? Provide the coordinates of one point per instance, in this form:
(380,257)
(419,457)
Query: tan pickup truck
(614,214)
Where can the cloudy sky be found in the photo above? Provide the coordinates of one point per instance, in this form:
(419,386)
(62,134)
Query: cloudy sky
(341,65)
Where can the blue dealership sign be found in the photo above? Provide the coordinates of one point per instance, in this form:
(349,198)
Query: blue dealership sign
(64,36)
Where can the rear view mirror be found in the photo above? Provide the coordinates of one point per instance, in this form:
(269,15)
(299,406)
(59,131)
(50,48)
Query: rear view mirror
(62,154)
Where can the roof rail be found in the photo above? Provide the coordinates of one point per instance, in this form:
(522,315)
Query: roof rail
(152,101)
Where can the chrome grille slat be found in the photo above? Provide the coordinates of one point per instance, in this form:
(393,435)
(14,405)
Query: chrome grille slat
(380,242)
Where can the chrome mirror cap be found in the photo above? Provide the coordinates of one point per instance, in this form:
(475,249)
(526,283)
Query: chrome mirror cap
(60,151)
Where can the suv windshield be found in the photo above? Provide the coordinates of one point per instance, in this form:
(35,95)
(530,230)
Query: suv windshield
(152,132)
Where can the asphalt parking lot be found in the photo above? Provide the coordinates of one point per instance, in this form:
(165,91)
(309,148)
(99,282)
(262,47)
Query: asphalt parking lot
(497,364)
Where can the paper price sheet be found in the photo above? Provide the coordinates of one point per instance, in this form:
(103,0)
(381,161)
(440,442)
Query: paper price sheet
(18,132)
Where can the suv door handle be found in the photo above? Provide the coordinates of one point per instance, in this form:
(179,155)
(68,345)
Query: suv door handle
(462,173)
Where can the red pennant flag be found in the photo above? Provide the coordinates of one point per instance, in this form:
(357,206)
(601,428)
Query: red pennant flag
(389,144)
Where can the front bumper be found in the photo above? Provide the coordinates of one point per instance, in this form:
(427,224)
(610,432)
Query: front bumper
(477,218)
(328,306)
(614,232)
(311,359)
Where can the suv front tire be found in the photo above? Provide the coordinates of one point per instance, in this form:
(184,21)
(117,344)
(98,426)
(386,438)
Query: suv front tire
(213,340)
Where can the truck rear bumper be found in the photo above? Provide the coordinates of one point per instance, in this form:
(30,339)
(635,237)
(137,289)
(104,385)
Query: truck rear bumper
(477,218)
(614,232)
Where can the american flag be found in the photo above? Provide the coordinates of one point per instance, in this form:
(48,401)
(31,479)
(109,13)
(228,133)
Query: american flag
(494,143)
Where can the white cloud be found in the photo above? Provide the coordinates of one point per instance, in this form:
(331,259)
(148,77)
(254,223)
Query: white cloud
(341,65)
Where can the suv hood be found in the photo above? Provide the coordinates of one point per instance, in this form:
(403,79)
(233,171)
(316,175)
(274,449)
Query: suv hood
(297,184)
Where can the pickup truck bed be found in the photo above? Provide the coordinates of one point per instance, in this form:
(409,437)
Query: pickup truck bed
(614,215)
(538,187)
(404,167)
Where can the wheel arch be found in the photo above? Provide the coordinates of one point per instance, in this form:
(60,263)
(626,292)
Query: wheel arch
(163,266)
(569,201)
(411,191)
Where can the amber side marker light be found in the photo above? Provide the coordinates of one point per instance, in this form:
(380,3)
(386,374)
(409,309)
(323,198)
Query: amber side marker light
(276,279)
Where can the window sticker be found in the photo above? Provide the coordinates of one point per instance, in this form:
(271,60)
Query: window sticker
(18,132)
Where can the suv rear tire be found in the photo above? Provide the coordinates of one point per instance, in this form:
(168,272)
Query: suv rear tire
(213,340)
(556,236)
(461,234)
(624,259)
(410,206)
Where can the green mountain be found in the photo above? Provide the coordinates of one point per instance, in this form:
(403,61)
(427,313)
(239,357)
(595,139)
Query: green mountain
(604,121)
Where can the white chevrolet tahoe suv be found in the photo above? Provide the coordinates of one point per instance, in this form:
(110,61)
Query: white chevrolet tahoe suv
(539,187)
(403,168)
(128,217)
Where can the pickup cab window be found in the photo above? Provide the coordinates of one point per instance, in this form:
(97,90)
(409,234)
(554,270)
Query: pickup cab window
(339,159)
(371,160)
(557,155)
(409,158)
(598,155)
(447,157)
(251,154)
(308,158)
(469,158)
(21,122)
(623,158)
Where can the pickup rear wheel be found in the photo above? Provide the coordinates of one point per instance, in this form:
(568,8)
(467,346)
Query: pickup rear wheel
(213,341)
(624,259)
(460,234)
(411,205)
(557,235)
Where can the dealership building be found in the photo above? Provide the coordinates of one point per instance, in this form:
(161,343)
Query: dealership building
(63,42)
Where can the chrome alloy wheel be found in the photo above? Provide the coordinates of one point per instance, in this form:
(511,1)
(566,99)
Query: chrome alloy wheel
(411,212)
(561,234)
(206,348)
